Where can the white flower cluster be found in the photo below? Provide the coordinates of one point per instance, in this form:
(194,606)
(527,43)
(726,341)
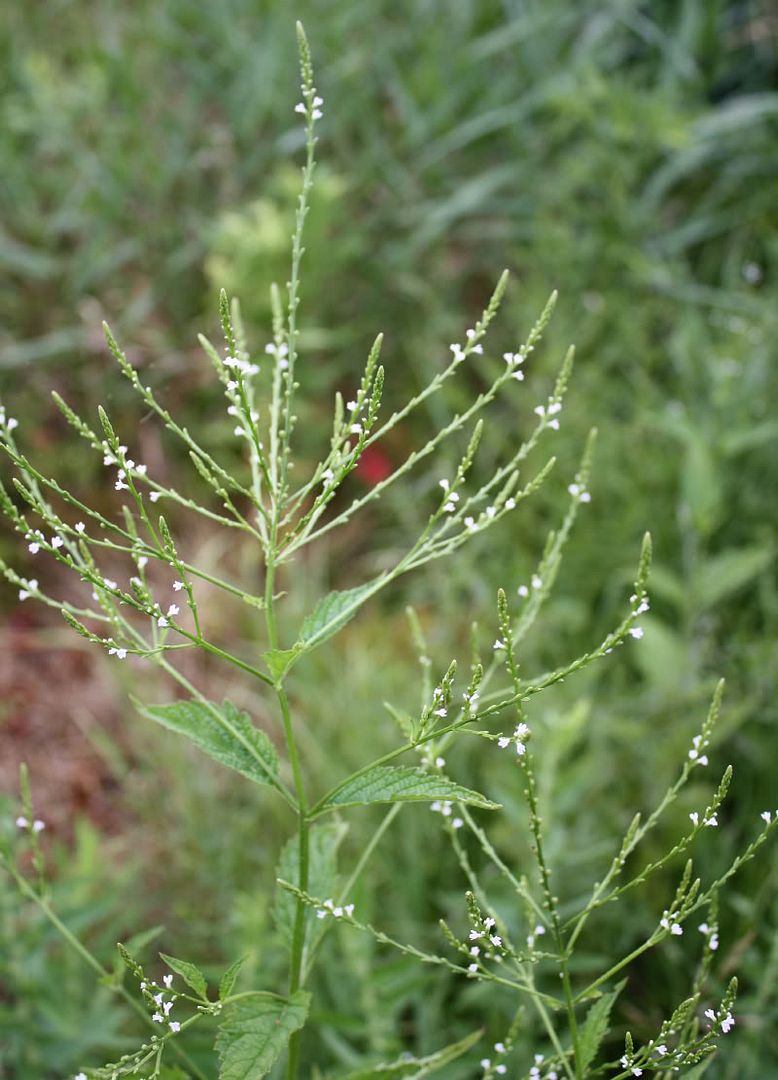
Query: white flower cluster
(548,414)
(7,423)
(636,1070)
(499,1068)
(329,907)
(726,1023)
(695,755)
(245,367)
(519,738)
(460,353)
(24,823)
(534,1073)
(712,934)
(539,931)
(668,922)
(163,1007)
(446,808)
(711,821)
(315,107)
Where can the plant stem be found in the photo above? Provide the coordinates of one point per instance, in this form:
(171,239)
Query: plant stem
(303,823)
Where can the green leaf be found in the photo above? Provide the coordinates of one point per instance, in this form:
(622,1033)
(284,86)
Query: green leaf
(726,573)
(223,732)
(333,612)
(595,1026)
(190,973)
(255,1030)
(405,783)
(414,1068)
(229,977)
(322,866)
(279,661)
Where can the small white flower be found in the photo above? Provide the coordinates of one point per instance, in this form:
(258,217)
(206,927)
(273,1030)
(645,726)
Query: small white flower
(713,942)
(158,999)
(501,1069)
(470,525)
(712,821)
(80,527)
(472,968)
(710,1014)
(498,644)
(158,1018)
(510,504)
(661,1049)
(80,1076)
(167,1007)
(34,547)
(457,823)
(695,818)
(450,507)
(523,591)
(676,929)
(500,1047)
(491,511)
(485,1063)
(459,353)
(317,114)
(31,587)
(349,909)
(475,950)
(540,411)
(537,582)
(162,621)
(489,922)
(167,980)
(300,107)
(142,561)
(727,1023)
(175,1027)
(154,495)
(444,484)
(178,586)
(765,815)
(352,406)
(356,429)
(22,822)
(173,609)
(38,825)
(440,762)
(503,742)
(327,475)
(496,940)
(636,632)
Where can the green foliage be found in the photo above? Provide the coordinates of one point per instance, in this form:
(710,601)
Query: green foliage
(254,1031)
(586,756)
(223,732)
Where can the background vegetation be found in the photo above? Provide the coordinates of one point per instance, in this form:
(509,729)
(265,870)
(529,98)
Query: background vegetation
(625,153)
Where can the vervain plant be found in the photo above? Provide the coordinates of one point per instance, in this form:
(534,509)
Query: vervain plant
(529,956)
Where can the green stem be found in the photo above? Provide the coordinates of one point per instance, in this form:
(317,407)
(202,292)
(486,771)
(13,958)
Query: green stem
(303,823)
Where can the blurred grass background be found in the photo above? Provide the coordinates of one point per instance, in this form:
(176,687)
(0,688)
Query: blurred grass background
(625,153)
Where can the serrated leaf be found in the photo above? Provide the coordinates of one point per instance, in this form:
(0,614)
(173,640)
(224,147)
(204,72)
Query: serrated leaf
(227,981)
(279,661)
(726,573)
(415,1068)
(332,613)
(595,1026)
(190,973)
(405,783)
(223,732)
(255,1030)
(322,867)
